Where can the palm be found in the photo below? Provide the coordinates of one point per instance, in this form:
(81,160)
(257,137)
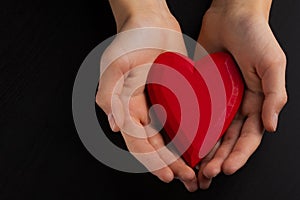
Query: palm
(128,101)
(256,51)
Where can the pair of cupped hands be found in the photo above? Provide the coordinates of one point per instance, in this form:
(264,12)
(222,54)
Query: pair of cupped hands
(246,35)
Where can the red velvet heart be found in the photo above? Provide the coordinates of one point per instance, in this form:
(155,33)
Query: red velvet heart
(200,99)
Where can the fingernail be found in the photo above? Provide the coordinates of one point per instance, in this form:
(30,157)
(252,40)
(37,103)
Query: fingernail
(193,188)
(111,121)
(275,121)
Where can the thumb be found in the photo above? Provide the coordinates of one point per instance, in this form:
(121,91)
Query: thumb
(273,83)
(108,94)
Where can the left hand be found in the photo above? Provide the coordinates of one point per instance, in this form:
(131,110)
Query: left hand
(243,30)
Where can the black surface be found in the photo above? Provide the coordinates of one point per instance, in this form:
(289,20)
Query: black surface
(42,45)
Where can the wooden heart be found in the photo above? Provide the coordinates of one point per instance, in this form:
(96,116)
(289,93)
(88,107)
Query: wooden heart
(200,99)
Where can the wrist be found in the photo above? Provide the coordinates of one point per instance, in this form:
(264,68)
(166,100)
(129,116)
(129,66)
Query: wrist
(125,9)
(258,8)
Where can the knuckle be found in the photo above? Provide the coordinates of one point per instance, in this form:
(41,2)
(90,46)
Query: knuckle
(282,99)
(269,62)
(132,145)
(155,142)
(285,98)
(229,136)
(279,60)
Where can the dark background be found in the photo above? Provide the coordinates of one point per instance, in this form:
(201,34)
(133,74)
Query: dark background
(42,45)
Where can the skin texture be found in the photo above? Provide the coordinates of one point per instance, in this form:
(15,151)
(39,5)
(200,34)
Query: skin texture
(246,34)
(138,110)
(228,25)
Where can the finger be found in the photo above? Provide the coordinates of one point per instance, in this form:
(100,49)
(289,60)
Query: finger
(204,181)
(185,174)
(214,167)
(249,140)
(179,168)
(273,84)
(147,155)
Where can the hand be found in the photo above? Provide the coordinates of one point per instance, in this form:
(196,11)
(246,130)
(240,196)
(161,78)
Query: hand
(121,87)
(241,27)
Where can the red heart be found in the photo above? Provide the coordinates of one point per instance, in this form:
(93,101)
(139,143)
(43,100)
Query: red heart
(200,99)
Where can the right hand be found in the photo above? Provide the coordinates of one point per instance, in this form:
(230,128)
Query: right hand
(123,99)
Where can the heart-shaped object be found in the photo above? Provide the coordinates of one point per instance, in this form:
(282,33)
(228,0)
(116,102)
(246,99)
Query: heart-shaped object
(200,99)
